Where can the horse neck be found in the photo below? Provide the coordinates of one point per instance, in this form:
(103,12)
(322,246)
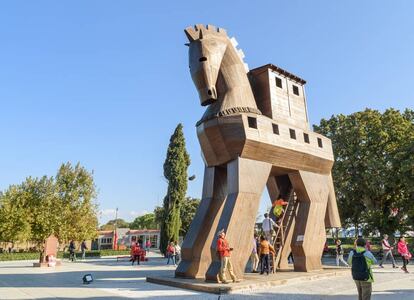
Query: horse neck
(233,84)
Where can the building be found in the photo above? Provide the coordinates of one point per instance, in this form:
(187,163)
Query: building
(125,237)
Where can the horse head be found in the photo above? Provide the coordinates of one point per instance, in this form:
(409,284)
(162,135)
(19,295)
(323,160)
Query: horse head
(206,50)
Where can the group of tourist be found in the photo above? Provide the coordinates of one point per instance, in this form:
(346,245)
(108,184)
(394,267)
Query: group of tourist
(361,259)
(72,249)
(173,253)
(138,252)
(387,252)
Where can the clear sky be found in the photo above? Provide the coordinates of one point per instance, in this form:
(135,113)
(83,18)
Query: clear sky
(105,83)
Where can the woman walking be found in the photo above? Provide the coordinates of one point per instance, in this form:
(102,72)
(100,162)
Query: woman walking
(171,254)
(405,254)
(340,253)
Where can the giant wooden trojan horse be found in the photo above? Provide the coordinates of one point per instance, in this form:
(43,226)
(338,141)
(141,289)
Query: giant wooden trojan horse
(254,133)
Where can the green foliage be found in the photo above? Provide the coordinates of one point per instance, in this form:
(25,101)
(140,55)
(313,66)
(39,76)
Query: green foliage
(120,223)
(374,167)
(63,206)
(35,255)
(187,212)
(175,171)
(146,221)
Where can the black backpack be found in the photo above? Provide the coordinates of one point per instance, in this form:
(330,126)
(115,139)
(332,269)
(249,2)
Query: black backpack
(360,270)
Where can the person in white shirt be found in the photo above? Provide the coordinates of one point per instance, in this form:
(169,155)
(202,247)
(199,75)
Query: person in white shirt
(386,251)
(177,252)
(267,226)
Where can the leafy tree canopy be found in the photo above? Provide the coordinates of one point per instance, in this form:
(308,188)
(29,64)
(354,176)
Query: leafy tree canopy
(374,168)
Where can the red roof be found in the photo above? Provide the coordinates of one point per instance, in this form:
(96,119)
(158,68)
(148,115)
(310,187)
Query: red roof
(137,231)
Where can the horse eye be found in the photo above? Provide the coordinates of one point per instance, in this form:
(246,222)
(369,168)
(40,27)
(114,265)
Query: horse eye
(202,59)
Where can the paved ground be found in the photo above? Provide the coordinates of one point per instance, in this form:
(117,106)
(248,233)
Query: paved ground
(119,280)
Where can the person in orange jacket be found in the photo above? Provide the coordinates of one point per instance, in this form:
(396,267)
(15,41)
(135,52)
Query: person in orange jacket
(224,251)
(265,250)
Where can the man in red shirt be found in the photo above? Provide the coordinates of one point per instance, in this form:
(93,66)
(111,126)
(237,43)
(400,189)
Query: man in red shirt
(224,251)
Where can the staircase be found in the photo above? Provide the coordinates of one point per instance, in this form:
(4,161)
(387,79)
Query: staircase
(286,221)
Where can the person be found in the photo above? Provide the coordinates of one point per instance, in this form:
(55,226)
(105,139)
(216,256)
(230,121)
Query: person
(83,249)
(264,252)
(72,255)
(361,261)
(403,251)
(171,253)
(340,253)
(386,251)
(224,253)
(177,252)
(148,245)
(278,207)
(254,257)
(291,260)
(368,245)
(136,253)
(267,226)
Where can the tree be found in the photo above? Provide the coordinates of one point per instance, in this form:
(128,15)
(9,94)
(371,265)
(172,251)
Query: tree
(146,221)
(76,192)
(37,208)
(110,225)
(14,221)
(175,171)
(373,170)
(187,212)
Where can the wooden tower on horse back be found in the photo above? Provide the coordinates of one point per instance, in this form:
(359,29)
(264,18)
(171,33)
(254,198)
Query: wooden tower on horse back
(254,133)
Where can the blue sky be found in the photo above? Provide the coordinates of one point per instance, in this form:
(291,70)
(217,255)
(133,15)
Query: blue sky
(106,82)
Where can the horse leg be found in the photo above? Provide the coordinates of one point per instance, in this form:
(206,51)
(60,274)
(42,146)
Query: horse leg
(309,234)
(195,253)
(246,180)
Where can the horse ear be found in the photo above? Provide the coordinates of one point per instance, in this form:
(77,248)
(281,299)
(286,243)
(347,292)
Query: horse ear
(191,34)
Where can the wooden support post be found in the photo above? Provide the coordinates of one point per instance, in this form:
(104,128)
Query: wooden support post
(246,180)
(195,254)
(309,234)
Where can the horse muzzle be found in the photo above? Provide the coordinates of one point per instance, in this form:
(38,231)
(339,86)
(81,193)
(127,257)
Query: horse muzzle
(208,95)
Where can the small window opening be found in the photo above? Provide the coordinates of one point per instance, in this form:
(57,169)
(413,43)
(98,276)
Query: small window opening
(275,128)
(202,59)
(306,138)
(320,143)
(292,134)
(295,90)
(279,82)
(252,122)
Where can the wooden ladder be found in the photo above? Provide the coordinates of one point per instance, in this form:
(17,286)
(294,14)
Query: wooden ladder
(285,222)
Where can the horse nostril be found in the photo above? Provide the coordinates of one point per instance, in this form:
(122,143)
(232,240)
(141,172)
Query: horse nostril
(209,92)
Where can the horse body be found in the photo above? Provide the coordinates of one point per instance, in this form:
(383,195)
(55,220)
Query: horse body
(242,156)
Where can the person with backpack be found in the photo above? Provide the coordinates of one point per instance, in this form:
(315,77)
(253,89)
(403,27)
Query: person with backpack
(267,226)
(340,253)
(387,251)
(361,261)
(72,247)
(405,254)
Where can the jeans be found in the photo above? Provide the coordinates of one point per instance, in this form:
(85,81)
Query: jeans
(264,263)
(385,256)
(172,257)
(340,257)
(72,256)
(364,289)
(405,262)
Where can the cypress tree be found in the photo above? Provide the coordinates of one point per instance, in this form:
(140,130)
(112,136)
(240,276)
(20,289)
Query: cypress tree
(175,171)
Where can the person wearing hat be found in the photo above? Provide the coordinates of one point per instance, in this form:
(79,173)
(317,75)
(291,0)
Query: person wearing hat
(224,251)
